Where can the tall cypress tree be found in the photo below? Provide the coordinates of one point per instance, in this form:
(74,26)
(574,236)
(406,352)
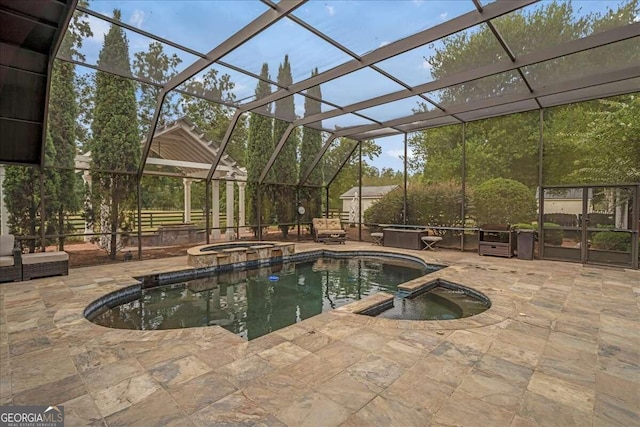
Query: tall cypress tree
(23,198)
(259,149)
(116,141)
(63,110)
(311,197)
(284,169)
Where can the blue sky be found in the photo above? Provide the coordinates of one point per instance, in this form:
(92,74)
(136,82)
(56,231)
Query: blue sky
(360,26)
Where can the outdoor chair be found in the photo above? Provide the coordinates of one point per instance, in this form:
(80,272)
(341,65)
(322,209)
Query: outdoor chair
(377,238)
(10,259)
(328,230)
(430,240)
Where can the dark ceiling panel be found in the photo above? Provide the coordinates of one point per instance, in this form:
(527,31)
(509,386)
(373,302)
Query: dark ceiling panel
(29,34)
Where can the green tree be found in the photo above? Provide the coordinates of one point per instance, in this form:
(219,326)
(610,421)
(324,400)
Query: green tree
(284,171)
(115,145)
(610,144)
(259,149)
(23,198)
(213,117)
(155,65)
(311,197)
(347,177)
(63,110)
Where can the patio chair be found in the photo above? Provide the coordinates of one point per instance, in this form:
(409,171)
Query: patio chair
(430,240)
(10,259)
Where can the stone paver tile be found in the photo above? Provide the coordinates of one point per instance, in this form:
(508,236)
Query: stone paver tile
(366,339)
(462,409)
(518,421)
(473,340)
(350,391)
(561,391)
(275,391)
(156,356)
(339,329)
(104,376)
(314,409)
(52,393)
(621,388)
(29,345)
(157,409)
(425,341)
(582,344)
(400,353)
(450,373)
(312,370)
(125,394)
(574,368)
(492,389)
(92,357)
(380,371)
(383,411)
(198,392)
(269,421)
(82,411)
(233,410)
(457,353)
(417,390)
(39,368)
(312,340)
(291,332)
(517,355)
(245,370)
(522,340)
(618,411)
(179,370)
(263,343)
(340,354)
(214,357)
(545,412)
(284,354)
(501,368)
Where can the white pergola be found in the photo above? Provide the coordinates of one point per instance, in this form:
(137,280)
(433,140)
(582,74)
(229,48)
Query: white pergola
(173,149)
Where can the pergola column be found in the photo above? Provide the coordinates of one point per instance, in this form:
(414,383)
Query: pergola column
(4,224)
(230,198)
(241,206)
(215,209)
(86,177)
(186,183)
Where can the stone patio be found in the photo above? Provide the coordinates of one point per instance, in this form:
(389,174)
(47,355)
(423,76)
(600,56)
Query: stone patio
(559,347)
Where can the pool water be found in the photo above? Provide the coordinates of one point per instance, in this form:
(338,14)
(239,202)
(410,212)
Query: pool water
(255,302)
(439,303)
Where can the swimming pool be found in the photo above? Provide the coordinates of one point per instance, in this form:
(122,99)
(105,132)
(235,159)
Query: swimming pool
(254,302)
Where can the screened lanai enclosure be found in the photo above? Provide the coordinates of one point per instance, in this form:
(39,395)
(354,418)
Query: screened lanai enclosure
(175,123)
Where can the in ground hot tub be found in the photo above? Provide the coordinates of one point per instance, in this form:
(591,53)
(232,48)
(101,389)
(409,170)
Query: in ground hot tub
(236,253)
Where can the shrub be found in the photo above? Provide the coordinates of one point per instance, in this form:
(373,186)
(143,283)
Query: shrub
(553,234)
(437,204)
(503,201)
(524,226)
(611,241)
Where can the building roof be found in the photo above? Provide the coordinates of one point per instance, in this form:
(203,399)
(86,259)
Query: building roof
(369,192)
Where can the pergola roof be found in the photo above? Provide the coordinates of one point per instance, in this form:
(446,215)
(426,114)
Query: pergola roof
(364,69)
(175,145)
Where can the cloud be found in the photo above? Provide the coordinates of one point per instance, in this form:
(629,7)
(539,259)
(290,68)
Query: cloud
(137,18)
(330,9)
(384,43)
(99,28)
(425,65)
(444,15)
(399,153)
(418,2)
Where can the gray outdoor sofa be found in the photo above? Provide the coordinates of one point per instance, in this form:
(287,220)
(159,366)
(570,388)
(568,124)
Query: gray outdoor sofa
(14,265)
(10,259)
